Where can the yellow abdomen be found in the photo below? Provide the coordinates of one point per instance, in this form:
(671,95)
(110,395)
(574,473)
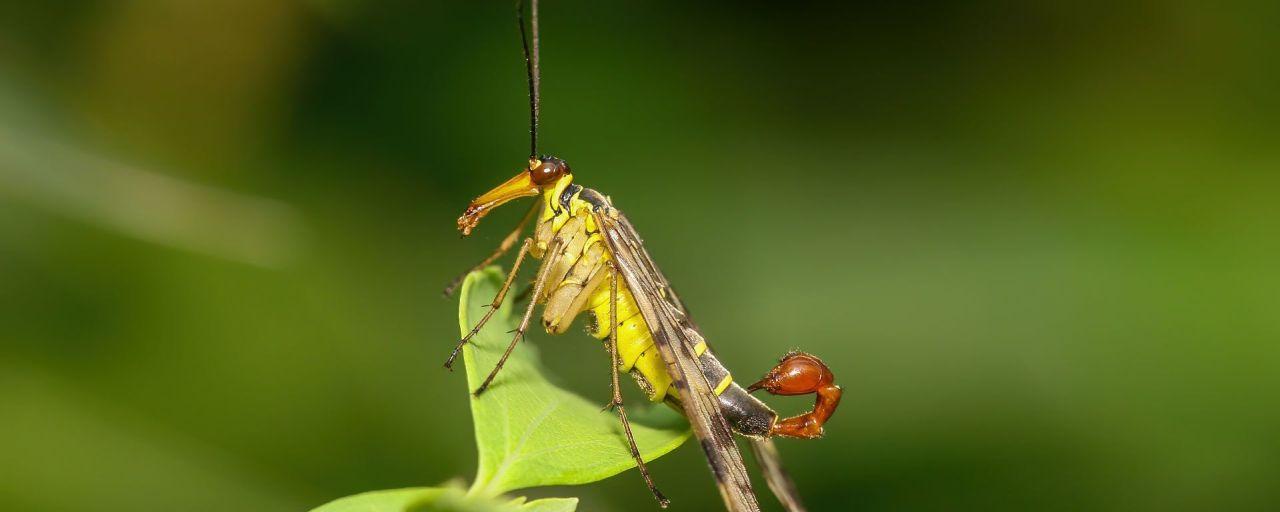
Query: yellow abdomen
(635,343)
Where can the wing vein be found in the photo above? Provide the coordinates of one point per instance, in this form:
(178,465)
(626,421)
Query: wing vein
(675,337)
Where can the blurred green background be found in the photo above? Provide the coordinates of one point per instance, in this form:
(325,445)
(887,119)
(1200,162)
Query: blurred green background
(1037,242)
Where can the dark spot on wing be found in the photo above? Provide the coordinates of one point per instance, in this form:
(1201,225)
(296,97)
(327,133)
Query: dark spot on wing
(716,468)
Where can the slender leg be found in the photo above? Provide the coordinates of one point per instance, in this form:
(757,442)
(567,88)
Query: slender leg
(506,245)
(493,306)
(553,256)
(617,391)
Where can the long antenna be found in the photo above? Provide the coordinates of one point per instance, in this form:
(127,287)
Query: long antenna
(533,72)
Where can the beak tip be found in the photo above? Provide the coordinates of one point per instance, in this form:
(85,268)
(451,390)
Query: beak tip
(467,222)
(519,186)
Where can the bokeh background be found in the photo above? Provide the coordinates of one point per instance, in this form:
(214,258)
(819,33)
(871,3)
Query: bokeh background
(1036,241)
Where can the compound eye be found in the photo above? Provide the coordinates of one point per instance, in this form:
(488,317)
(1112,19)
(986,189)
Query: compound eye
(546,173)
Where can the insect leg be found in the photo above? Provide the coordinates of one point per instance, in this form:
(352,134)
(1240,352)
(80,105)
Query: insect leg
(547,264)
(506,245)
(616,402)
(493,306)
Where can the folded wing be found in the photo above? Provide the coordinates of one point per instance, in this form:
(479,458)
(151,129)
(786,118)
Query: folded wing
(676,337)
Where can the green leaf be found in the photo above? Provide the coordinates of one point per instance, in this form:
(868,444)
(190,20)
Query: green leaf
(440,499)
(551,505)
(395,500)
(529,432)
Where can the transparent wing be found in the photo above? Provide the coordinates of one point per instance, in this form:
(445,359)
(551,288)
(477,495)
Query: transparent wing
(765,452)
(675,337)
(775,475)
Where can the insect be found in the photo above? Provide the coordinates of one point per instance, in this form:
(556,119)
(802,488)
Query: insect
(593,262)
